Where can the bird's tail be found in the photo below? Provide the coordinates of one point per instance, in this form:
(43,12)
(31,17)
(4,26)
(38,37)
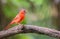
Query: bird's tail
(7,27)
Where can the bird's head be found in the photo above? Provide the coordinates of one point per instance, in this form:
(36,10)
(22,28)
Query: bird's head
(23,11)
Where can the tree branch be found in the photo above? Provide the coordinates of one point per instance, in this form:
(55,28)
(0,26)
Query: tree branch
(29,29)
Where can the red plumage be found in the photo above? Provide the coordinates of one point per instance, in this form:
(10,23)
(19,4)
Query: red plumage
(19,17)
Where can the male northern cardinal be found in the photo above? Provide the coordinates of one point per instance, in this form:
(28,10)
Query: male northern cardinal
(19,17)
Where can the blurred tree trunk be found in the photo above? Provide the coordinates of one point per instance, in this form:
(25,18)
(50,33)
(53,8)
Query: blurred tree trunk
(2,16)
(58,17)
(56,4)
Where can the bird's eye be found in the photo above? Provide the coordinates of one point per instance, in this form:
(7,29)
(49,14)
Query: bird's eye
(24,11)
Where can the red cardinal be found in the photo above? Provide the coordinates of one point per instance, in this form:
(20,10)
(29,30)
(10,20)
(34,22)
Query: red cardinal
(19,17)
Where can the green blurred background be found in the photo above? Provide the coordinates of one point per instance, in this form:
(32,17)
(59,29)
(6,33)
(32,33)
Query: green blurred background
(44,13)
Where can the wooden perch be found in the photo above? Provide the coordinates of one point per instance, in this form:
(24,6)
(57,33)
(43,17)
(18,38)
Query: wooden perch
(29,29)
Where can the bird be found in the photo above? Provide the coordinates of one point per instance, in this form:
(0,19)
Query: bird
(18,18)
